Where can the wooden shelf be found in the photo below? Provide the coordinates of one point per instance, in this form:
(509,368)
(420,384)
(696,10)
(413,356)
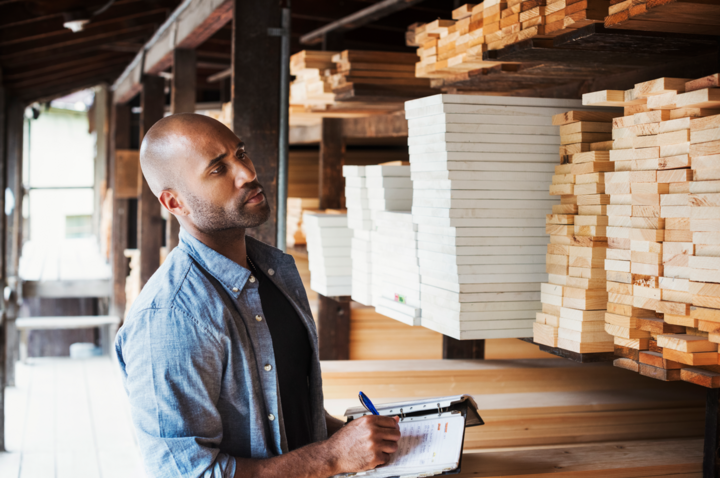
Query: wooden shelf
(574,356)
(586,54)
(672,16)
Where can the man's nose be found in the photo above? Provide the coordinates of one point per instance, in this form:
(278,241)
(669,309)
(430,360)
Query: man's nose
(244,173)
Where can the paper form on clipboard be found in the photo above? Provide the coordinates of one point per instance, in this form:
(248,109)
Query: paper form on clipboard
(429,445)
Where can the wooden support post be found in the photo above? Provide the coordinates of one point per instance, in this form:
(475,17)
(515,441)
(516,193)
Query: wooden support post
(711,449)
(150,233)
(182,100)
(119,139)
(463,349)
(15,117)
(332,157)
(256,96)
(3,322)
(334,327)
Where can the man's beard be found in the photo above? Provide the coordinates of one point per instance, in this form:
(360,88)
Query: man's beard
(209,218)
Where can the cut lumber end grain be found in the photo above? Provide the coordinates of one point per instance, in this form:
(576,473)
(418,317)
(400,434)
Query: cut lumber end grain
(700,377)
(627,364)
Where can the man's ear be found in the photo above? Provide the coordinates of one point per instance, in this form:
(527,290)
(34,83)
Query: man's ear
(170,201)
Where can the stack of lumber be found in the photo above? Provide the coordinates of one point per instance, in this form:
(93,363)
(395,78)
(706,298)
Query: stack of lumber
(324,78)
(312,71)
(359,220)
(672,16)
(328,247)
(376,76)
(481,166)
(667,215)
(394,248)
(574,300)
(295,208)
(449,47)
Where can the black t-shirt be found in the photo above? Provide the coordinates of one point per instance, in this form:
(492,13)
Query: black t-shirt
(293,356)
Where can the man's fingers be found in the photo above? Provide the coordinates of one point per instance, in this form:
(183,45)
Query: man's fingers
(388,446)
(386,422)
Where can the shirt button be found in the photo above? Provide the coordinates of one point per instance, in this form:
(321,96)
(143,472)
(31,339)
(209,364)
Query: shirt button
(258,318)
(268,367)
(271,417)
(271,272)
(252,279)
(235,289)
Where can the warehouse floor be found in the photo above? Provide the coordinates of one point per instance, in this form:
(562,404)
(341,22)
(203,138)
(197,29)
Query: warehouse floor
(68,418)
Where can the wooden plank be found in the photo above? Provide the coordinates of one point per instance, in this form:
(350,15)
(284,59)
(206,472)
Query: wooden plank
(182,100)
(190,25)
(150,232)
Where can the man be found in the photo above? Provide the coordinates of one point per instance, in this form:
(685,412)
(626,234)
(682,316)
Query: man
(219,351)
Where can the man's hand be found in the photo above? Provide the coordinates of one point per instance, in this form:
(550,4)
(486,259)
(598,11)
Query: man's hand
(365,443)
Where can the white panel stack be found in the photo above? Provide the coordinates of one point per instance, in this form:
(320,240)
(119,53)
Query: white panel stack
(481,167)
(358,213)
(389,189)
(295,207)
(394,245)
(328,245)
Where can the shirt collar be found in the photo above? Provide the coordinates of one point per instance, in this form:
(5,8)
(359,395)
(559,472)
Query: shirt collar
(232,275)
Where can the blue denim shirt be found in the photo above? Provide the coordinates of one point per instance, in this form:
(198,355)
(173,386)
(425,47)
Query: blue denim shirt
(200,375)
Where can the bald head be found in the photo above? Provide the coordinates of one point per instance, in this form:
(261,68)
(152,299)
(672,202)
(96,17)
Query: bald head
(172,142)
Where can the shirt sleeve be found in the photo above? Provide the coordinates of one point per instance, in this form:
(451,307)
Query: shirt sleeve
(173,369)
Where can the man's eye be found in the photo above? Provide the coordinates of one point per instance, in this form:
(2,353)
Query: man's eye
(219,170)
(242,155)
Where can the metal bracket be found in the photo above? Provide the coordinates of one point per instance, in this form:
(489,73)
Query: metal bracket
(278,32)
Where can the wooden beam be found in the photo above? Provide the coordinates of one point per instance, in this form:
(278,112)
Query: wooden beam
(119,140)
(334,327)
(193,22)
(53,29)
(256,96)
(358,19)
(93,36)
(182,100)
(332,157)
(376,126)
(64,289)
(463,349)
(3,322)
(15,119)
(150,232)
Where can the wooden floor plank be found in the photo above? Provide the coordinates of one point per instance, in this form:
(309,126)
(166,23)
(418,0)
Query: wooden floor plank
(666,458)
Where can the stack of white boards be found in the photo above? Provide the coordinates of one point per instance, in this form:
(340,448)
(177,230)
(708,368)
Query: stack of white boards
(358,213)
(481,167)
(389,189)
(328,245)
(394,247)
(295,207)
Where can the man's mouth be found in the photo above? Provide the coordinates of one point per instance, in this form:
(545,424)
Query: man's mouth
(255,196)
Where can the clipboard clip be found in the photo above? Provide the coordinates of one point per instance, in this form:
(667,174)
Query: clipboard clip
(402,415)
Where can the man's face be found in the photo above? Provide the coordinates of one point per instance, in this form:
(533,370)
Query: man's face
(220,187)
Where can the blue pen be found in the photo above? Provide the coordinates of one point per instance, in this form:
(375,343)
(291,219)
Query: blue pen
(367,404)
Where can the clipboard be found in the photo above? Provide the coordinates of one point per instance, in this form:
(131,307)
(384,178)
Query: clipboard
(425,409)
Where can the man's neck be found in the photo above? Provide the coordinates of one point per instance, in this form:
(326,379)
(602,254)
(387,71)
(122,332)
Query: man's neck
(229,243)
